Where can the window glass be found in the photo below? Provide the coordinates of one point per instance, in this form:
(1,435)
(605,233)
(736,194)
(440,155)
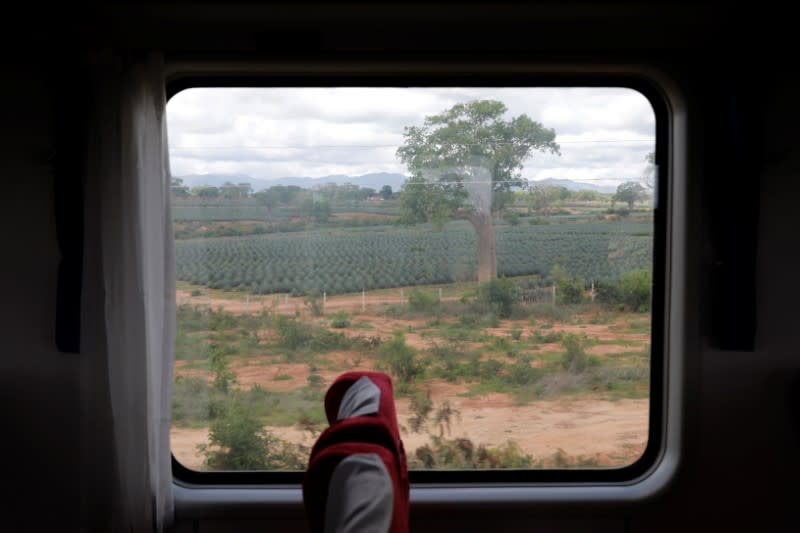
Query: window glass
(491,249)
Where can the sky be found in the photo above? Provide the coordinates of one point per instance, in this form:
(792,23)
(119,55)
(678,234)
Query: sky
(267,133)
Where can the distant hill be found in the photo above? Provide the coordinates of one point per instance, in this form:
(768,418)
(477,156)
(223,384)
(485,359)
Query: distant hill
(375,180)
(575,185)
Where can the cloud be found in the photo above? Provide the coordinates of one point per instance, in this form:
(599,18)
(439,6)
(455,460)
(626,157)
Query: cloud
(278,132)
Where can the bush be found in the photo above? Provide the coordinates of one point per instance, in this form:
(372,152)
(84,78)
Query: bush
(422,301)
(632,291)
(224,379)
(312,300)
(238,441)
(291,333)
(635,289)
(463,453)
(401,361)
(512,217)
(569,290)
(420,406)
(549,312)
(340,320)
(575,359)
(220,319)
(501,294)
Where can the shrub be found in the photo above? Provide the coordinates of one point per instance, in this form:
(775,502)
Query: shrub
(575,359)
(635,289)
(501,294)
(512,217)
(291,333)
(448,358)
(569,290)
(549,312)
(220,319)
(444,416)
(224,379)
(312,300)
(420,406)
(632,291)
(401,361)
(340,320)
(422,301)
(463,453)
(238,441)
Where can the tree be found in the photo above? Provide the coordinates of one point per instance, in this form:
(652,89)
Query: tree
(245,189)
(542,197)
(465,164)
(205,191)
(320,211)
(179,190)
(630,192)
(386,192)
(230,190)
(267,198)
(277,195)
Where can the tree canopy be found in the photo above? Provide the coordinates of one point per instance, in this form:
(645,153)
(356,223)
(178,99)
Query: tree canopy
(467,158)
(630,192)
(465,163)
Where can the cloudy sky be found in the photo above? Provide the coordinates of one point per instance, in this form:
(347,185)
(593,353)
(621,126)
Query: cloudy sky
(604,133)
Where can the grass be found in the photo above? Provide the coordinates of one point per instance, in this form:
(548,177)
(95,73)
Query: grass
(195,403)
(462,352)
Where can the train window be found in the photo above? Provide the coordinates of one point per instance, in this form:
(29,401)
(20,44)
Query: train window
(493,249)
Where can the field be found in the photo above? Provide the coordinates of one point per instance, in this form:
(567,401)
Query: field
(566,385)
(534,370)
(374,257)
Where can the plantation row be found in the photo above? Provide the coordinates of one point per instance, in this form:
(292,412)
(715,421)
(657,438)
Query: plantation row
(388,256)
(253,211)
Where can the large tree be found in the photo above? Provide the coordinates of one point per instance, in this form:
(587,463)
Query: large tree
(464,164)
(630,192)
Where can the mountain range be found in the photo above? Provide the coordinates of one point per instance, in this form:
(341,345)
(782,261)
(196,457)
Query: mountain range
(375,180)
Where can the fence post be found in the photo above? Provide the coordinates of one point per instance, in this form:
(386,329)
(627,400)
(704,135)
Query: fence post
(554,293)
(324,301)
(592,292)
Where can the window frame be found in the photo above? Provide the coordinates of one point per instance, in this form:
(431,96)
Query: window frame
(657,465)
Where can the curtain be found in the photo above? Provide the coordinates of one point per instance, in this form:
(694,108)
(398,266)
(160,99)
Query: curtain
(128,300)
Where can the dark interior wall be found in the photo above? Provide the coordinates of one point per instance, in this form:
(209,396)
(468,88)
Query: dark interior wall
(39,386)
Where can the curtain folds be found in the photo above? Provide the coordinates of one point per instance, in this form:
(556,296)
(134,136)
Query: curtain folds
(128,303)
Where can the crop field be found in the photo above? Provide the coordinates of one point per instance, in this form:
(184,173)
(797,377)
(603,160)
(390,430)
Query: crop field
(375,257)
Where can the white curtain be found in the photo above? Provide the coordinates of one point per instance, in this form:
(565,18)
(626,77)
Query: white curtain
(128,303)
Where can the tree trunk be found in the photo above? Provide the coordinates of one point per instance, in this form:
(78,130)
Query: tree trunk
(487,250)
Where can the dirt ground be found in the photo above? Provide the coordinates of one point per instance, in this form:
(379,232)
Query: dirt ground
(613,433)
(289,305)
